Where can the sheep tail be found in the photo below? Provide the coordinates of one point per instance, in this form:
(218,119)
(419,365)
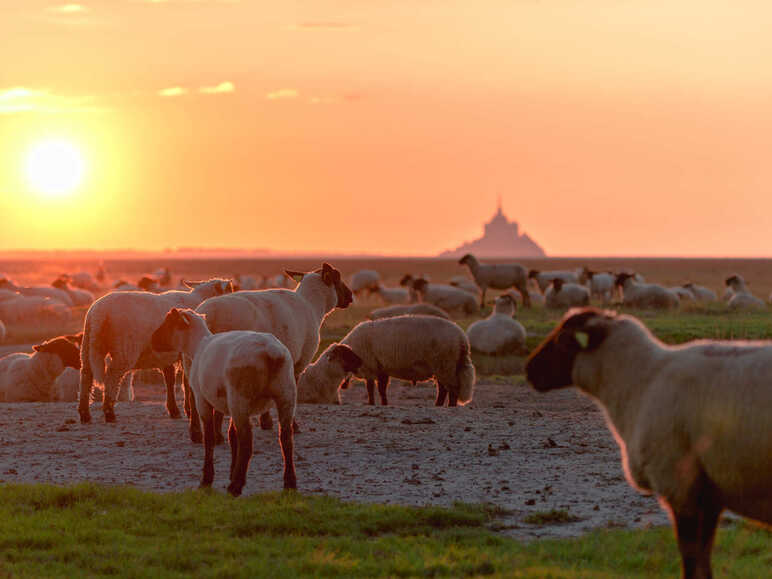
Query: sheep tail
(465,374)
(91,357)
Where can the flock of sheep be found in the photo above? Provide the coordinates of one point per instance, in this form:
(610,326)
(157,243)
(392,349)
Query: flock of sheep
(691,421)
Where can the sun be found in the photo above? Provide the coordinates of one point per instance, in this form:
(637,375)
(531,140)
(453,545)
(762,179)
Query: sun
(55,167)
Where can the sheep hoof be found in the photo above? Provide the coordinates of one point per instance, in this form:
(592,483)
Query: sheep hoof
(234,490)
(174,413)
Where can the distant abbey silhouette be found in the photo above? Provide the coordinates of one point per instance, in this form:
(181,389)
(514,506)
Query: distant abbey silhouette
(502,238)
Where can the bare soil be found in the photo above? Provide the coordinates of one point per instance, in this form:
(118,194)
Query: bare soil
(519,450)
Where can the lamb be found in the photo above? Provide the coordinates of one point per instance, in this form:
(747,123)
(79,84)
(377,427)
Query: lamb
(544,278)
(321,381)
(120,324)
(601,283)
(79,297)
(742,298)
(392,295)
(30,377)
(239,373)
(566,295)
(701,293)
(364,279)
(691,421)
(645,295)
(499,276)
(294,317)
(498,334)
(414,348)
(408,310)
(446,297)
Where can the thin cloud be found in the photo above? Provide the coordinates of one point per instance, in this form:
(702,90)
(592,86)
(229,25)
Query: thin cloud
(69,9)
(173,91)
(21,99)
(222,88)
(283,94)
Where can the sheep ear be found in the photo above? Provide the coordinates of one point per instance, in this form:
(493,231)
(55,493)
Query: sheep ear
(583,339)
(328,274)
(294,275)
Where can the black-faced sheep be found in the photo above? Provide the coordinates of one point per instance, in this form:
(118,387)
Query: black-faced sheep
(497,276)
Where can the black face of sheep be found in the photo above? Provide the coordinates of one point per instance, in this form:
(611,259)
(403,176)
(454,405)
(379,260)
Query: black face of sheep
(62,347)
(622,278)
(420,284)
(532,273)
(161,338)
(551,364)
(407,279)
(468,257)
(347,358)
(557,283)
(60,283)
(732,280)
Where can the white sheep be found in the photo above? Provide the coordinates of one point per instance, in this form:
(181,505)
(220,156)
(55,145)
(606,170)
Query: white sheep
(645,295)
(684,294)
(414,348)
(392,295)
(38,291)
(120,324)
(446,297)
(544,278)
(701,293)
(238,373)
(29,309)
(498,276)
(30,377)
(79,297)
(691,421)
(408,310)
(321,381)
(464,283)
(294,317)
(83,280)
(566,295)
(742,298)
(601,283)
(364,279)
(535,296)
(498,334)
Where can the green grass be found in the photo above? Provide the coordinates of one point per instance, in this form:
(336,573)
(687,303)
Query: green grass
(551,517)
(88,530)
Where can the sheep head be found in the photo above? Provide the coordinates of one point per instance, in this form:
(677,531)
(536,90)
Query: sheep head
(532,273)
(551,364)
(505,304)
(331,277)
(68,352)
(407,280)
(621,278)
(468,259)
(557,284)
(163,339)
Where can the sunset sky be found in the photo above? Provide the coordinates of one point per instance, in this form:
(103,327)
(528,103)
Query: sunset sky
(609,127)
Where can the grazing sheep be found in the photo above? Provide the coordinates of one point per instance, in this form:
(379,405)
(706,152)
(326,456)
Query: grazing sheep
(38,291)
(321,381)
(691,421)
(238,373)
(498,334)
(408,310)
(364,279)
(392,295)
(30,377)
(464,283)
(294,317)
(701,293)
(499,276)
(79,297)
(742,298)
(446,297)
(414,348)
(120,324)
(601,283)
(566,295)
(645,295)
(544,278)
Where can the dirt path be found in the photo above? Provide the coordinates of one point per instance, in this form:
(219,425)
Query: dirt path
(512,447)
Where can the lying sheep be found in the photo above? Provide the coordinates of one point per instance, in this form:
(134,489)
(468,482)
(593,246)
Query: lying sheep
(321,381)
(544,278)
(498,334)
(499,276)
(645,295)
(566,295)
(408,310)
(465,284)
(601,283)
(30,377)
(120,324)
(684,294)
(79,297)
(701,293)
(239,373)
(38,291)
(30,309)
(691,421)
(446,297)
(414,348)
(392,295)
(364,279)
(294,317)
(742,298)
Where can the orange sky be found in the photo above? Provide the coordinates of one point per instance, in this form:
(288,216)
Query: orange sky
(609,127)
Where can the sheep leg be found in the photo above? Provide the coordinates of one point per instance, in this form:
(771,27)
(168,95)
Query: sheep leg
(266,422)
(482,297)
(522,287)
(695,529)
(452,398)
(286,411)
(218,437)
(207,419)
(441,393)
(371,392)
(194,426)
(243,429)
(86,381)
(233,440)
(383,383)
(112,386)
(171,403)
